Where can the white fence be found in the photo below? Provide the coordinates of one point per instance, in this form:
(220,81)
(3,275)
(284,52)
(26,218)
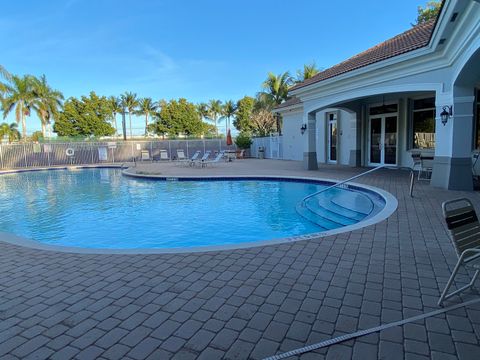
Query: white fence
(273,146)
(24,155)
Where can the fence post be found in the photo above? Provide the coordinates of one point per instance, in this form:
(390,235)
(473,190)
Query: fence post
(187,149)
(204,146)
(48,154)
(169,149)
(91,152)
(25,155)
(151,149)
(1,155)
(133,157)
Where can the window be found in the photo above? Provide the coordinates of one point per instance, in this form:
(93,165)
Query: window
(477,119)
(423,123)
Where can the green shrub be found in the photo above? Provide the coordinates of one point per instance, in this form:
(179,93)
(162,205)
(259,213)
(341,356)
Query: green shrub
(243,140)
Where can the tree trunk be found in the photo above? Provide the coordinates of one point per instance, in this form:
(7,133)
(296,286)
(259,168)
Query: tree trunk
(146,124)
(130,120)
(115,123)
(44,128)
(24,123)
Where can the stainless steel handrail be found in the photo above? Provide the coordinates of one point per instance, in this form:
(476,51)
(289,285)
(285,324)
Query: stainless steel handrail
(341,183)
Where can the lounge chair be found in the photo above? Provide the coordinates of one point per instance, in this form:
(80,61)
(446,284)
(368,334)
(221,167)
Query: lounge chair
(217,158)
(204,158)
(187,161)
(145,155)
(164,155)
(464,229)
(181,155)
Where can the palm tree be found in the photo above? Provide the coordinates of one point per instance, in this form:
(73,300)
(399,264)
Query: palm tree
(19,95)
(7,76)
(229,109)
(309,71)
(47,102)
(275,91)
(129,102)
(115,108)
(214,112)
(10,131)
(147,107)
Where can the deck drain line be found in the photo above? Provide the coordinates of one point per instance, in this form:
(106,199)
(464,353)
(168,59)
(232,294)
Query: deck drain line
(357,334)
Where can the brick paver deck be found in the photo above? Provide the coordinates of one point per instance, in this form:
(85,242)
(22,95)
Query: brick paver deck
(248,303)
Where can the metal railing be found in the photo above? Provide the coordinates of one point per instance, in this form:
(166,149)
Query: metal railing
(304,200)
(25,155)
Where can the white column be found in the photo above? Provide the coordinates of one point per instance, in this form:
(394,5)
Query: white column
(310,142)
(452,167)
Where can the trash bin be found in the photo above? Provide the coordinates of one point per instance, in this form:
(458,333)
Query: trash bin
(261,152)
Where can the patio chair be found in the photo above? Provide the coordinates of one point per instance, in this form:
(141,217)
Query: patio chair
(164,155)
(464,230)
(217,159)
(187,161)
(204,158)
(423,164)
(145,155)
(181,155)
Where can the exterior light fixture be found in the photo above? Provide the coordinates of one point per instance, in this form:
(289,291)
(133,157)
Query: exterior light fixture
(303,128)
(446,114)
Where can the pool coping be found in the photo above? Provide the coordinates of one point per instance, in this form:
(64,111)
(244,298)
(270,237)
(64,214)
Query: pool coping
(391,204)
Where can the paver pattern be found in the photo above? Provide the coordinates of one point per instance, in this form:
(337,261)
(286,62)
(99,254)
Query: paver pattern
(248,303)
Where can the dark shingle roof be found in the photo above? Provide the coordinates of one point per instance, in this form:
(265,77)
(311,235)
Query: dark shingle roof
(290,102)
(415,38)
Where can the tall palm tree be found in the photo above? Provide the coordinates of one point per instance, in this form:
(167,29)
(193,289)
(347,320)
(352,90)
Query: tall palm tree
(19,95)
(147,107)
(309,71)
(7,76)
(47,102)
(115,108)
(215,112)
(275,91)
(229,110)
(10,131)
(129,102)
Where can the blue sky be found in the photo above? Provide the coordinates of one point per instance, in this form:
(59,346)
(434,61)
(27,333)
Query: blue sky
(199,50)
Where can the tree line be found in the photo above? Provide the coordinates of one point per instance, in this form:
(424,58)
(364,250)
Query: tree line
(96,115)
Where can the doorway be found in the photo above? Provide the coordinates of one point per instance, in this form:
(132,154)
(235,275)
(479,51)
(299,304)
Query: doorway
(383,139)
(332,138)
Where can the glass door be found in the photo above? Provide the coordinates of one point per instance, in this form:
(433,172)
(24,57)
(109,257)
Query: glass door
(332,140)
(375,157)
(383,140)
(390,140)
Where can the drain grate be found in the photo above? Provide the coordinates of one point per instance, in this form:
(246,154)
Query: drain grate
(357,334)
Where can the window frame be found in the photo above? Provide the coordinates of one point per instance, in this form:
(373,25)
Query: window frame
(411,112)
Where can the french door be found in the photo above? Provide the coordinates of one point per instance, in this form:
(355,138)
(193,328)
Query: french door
(383,140)
(332,140)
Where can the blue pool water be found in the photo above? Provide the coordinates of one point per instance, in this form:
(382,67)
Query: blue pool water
(100,208)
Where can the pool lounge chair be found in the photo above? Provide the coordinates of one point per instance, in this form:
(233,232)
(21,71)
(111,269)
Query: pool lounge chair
(187,161)
(164,155)
(217,159)
(204,158)
(180,155)
(464,229)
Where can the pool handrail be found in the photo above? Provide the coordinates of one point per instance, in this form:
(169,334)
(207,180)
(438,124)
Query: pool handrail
(341,183)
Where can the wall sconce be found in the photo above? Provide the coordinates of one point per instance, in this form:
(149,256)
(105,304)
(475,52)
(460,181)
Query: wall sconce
(303,128)
(446,114)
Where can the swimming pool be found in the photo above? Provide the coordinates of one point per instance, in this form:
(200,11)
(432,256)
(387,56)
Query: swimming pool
(101,209)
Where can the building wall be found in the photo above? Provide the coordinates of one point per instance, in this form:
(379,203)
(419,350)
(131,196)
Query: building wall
(291,135)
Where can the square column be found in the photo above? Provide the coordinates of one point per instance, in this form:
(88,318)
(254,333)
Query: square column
(310,145)
(452,166)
